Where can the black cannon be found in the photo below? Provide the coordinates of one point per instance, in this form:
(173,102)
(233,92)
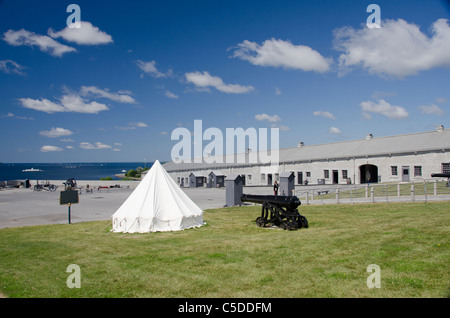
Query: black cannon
(283,211)
(442,175)
(70,183)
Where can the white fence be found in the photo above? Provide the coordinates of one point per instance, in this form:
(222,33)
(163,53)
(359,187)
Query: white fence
(372,193)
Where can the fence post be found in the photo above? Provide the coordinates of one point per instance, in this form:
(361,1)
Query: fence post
(367,191)
(435,187)
(337,195)
(398,189)
(372,195)
(412,193)
(385,192)
(307,197)
(425,188)
(351,194)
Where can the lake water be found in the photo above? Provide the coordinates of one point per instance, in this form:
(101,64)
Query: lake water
(64,171)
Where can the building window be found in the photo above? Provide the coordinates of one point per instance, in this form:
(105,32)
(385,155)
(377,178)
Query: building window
(299,177)
(263,177)
(344,174)
(417,171)
(326,174)
(249,177)
(446,168)
(277,177)
(394,171)
(308,174)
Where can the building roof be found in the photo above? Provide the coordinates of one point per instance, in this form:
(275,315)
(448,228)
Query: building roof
(437,140)
(197,174)
(217,173)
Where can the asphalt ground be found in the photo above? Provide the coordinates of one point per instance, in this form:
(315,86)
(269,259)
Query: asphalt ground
(26,207)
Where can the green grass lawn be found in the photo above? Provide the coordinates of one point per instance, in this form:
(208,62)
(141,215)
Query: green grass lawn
(232,257)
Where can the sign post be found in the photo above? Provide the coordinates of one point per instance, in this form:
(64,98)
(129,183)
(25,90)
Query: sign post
(68,197)
(69,211)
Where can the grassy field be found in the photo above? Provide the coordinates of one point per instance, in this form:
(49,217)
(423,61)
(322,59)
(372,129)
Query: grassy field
(232,257)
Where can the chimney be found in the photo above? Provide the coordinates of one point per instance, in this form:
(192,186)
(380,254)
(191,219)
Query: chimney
(440,128)
(369,136)
(300,144)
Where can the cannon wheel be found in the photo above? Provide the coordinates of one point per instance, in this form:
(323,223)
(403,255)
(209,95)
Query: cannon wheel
(289,226)
(304,222)
(260,222)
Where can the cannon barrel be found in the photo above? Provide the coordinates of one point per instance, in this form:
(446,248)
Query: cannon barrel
(291,202)
(440,175)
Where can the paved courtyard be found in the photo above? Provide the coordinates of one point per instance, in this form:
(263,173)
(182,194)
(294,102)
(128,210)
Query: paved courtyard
(24,207)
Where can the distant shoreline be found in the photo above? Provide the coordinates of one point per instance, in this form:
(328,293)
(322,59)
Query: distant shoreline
(123,176)
(78,163)
(63,171)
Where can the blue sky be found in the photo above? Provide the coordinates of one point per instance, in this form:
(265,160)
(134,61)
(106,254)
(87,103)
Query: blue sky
(115,89)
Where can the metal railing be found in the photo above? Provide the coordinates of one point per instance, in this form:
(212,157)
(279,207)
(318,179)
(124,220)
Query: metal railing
(370,193)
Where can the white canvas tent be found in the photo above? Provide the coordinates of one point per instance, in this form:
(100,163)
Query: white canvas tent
(157,204)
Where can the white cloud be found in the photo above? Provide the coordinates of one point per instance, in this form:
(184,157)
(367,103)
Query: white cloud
(50,148)
(150,68)
(277,91)
(282,128)
(11,115)
(133,126)
(139,124)
(334,131)
(441,100)
(97,145)
(121,96)
(169,94)
(86,34)
(272,119)
(205,80)
(431,110)
(324,114)
(383,108)
(275,119)
(11,67)
(45,43)
(76,104)
(43,105)
(125,127)
(56,132)
(68,103)
(396,49)
(279,53)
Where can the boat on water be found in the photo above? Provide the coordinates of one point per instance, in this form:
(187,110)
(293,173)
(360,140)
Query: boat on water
(32,170)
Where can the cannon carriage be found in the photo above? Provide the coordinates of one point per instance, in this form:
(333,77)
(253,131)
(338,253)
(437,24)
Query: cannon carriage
(278,210)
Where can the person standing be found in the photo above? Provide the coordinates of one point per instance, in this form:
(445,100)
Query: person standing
(275,188)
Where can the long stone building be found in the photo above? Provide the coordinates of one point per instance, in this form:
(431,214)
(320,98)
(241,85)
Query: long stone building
(409,157)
